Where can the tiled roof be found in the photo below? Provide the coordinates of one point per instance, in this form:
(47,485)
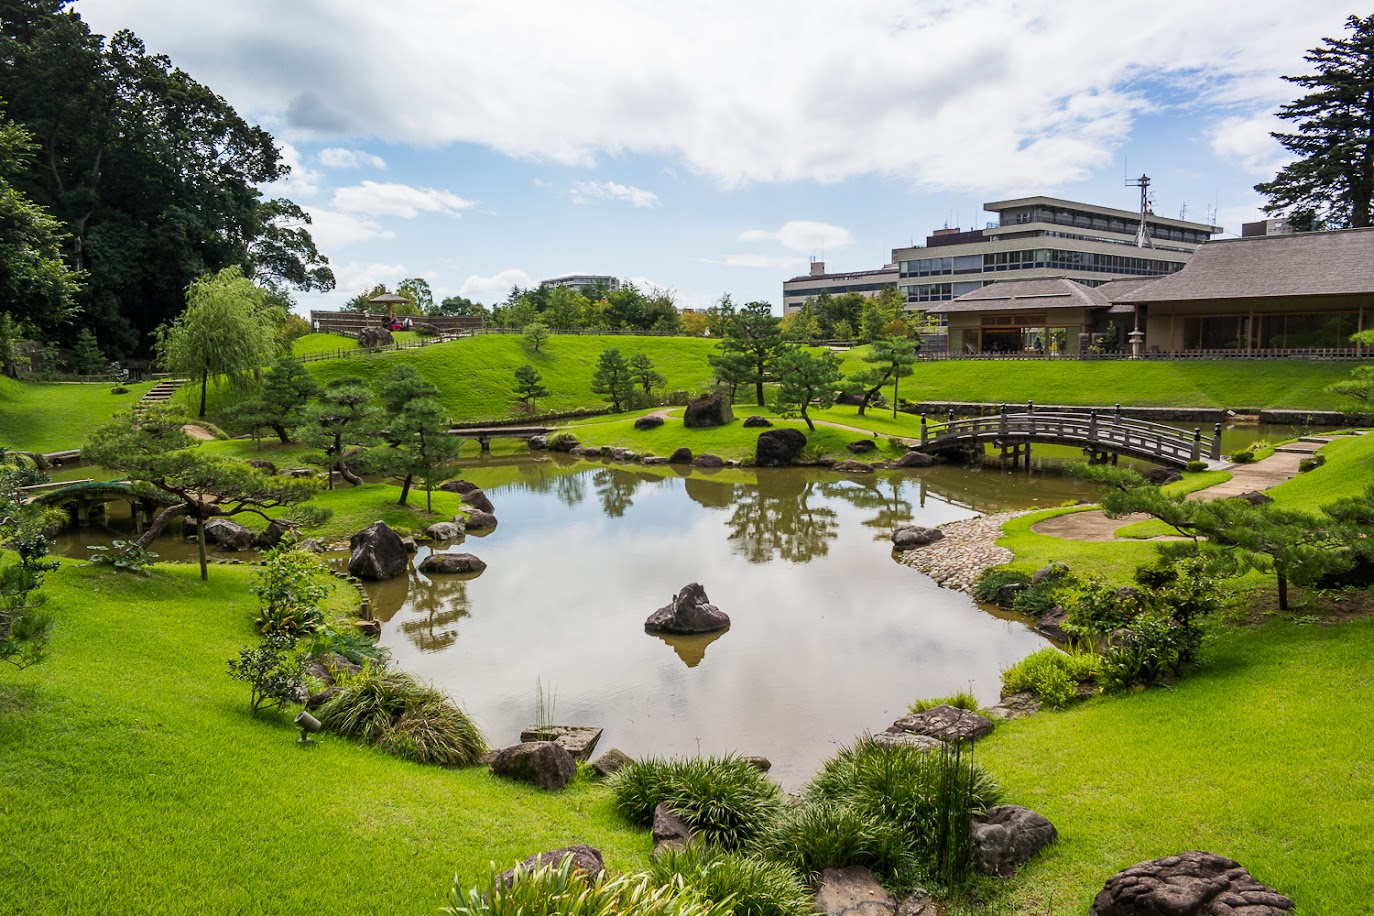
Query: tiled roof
(1301,264)
(1025,295)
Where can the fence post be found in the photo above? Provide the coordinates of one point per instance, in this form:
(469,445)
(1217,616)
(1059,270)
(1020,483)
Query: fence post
(1030,406)
(1197,443)
(1118,413)
(1216,443)
(923,429)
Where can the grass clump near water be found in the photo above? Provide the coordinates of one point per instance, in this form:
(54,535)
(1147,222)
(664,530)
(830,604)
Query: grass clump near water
(749,885)
(1052,675)
(726,800)
(820,834)
(962,699)
(403,717)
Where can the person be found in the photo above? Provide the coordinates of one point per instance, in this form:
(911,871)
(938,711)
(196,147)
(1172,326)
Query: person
(1039,347)
(405,323)
(395,324)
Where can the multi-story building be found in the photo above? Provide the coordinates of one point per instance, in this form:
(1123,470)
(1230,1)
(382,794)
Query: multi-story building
(584,283)
(796,291)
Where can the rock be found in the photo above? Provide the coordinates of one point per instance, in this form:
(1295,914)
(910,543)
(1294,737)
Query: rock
(1052,572)
(1191,883)
(689,611)
(681,456)
(653,460)
(1015,706)
(948,723)
(921,743)
(563,442)
(272,535)
(1052,625)
(779,447)
(1255,498)
(445,531)
(316,700)
(611,762)
(669,828)
(426,329)
(762,764)
(451,563)
(707,410)
(577,451)
(650,422)
(852,891)
(578,740)
(757,422)
(369,338)
(918,903)
(537,443)
(478,500)
(594,452)
(909,537)
(299,472)
(619,454)
(854,467)
(1160,476)
(586,859)
(477,520)
(314,545)
(262,464)
(708,461)
(1006,595)
(541,762)
(862,446)
(378,553)
(410,544)
(1005,838)
(369,628)
(914,459)
(458,486)
(228,535)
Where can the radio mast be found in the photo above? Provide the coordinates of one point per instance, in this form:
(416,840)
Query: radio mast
(1142,234)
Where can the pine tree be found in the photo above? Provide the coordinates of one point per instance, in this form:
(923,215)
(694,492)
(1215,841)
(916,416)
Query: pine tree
(86,353)
(751,348)
(806,379)
(612,378)
(1331,184)
(645,376)
(528,387)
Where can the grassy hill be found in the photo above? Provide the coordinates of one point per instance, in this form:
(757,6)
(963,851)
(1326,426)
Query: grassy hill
(50,416)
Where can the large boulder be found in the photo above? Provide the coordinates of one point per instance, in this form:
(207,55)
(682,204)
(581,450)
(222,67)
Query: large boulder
(1255,497)
(272,535)
(862,446)
(649,422)
(707,410)
(921,743)
(563,442)
(478,500)
(681,456)
(757,422)
(228,535)
(262,464)
(1160,476)
(1191,883)
(370,338)
(378,553)
(477,520)
(708,461)
(537,443)
(1005,838)
(914,459)
(578,740)
(1052,625)
(586,859)
(689,611)
(445,531)
(543,763)
(458,486)
(1051,572)
(669,829)
(946,722)
(451,563)
(909,537)
(779,447)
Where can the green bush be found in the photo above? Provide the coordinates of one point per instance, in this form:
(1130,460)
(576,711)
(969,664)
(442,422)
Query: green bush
(993,580)
(1050,674)
(1039,598)
(1195,467)
(1243,457)
(1311,464)
(1094,607)
(562,442)
(290,587)
(816,835)
(119,389)
(750,886)
(964,699)
(402,716)
(726,800)
(274,670)
(563,891)
(1143,652)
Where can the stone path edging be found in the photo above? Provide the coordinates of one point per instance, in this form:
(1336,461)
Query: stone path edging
(967,548)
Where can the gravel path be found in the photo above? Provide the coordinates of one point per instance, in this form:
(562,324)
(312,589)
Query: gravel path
(968,548)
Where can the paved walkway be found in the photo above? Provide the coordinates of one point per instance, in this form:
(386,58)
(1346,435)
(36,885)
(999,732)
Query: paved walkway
(1245,478)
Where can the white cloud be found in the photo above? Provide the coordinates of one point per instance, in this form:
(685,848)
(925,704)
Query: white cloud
(1247,141)
(490,290)
(756,260)
(587,191)
(360,276)
(337,157)
(392,199)
(991,96)
(331,229)
(803,236)
(303,181)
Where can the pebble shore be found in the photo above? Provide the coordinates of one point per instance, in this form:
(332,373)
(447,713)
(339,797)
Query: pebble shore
(967,548)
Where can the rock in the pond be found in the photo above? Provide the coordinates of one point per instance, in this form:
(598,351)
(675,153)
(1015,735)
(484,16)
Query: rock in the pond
(410,544)
(669,828)
(909,537)
(477,520)
(445,531)
(757,422)
(779,447)
(1005,838)
(272,535)
(478,500)
(708,410)
(762,764)
(537,443)
(586,859)
(853,467)
(681,456)
(914,459)
(1192,883)
(543,763)
(862,446)
(852,891)
(451,563)
(921,743)
(314,545)
(228,535)
(563,442)
(946,722)
(689,611)
(649,422)
(371,338)
(611,762)
(653,460)
(458,486)
(708,461)
(378,553)
(262,464)
(578,740)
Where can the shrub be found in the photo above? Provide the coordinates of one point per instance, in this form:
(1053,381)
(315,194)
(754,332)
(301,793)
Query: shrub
(1242,457)
(561,890)
(1050,674)
(816,835)
(725,799)
(434,731)
(964,699)
(291,584)
(563,442)
(274,670)
(991,582)
(1039,598)
(1311,464)
(1144,651)
(1195,467)
(126,556)
(749,886)
(1095,607)
(119,389)
(402,716)
(359,649)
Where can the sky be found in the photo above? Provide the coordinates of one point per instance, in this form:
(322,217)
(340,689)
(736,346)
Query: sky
(718,147)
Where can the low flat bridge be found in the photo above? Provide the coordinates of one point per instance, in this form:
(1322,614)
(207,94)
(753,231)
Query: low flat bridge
(484,434)
(1103,437)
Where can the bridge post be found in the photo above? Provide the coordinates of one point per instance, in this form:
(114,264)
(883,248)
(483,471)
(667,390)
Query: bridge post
(485,443)
(1002,422)
(1197,443)
(924,434)
(1216,443)
(951,415)
(1118,413)
(1092,424)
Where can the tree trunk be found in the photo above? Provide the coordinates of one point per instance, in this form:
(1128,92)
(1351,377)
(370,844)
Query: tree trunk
(405,490)
(1283,592)
(809,425)
(758,392)
(160,523)
(200,548)
(204,384)
(346,474)
(281,433)
(896,383)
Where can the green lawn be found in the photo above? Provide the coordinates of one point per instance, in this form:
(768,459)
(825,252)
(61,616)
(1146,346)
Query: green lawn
(314,344)
(53,416)
(136,781)
(1349,471)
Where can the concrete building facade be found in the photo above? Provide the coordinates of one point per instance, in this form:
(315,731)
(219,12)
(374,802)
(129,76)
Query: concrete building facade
(583,282)
(870,283)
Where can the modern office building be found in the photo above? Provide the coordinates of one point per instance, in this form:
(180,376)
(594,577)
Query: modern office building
(583,283)
(796,291)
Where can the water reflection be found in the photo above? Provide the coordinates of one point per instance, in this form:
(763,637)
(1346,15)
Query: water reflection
(781,518)
(435,611)
(692,649)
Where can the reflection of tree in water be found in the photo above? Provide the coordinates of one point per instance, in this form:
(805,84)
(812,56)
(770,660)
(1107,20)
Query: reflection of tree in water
(713,494)
(882,496)
(616,489)
(436,608)
(569,489)
(776,518)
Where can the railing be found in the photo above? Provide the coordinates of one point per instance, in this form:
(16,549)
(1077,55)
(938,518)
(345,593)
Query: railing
(1316,353)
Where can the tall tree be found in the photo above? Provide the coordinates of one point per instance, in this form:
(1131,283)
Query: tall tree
(1331,183)
(645,375)
(229,330)
(287,387)
(536,335)
(528,387)
(805,379)
(890,361)
(343,417)
(421,297)
(612,378)
(422,447)
(750,350)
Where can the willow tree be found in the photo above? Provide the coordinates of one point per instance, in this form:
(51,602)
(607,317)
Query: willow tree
(228,331)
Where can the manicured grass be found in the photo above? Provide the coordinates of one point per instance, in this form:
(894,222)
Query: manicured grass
(53,416)
(1349,471)
(137,781)
(312,344)
(1262,756)
(1112,560)
(357,507)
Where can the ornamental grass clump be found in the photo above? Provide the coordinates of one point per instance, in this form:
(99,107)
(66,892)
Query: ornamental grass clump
(565,891)
(749,885)
(821,834)
(1052,675)
(963,699)
(402,716)
(725,800)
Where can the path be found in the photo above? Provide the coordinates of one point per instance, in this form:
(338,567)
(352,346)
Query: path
(1245,478)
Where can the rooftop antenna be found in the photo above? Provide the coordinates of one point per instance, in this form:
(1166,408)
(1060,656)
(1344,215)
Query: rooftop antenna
(1183,210)
(1142,234)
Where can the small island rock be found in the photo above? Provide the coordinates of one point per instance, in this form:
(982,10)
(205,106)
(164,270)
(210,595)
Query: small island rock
(690,611)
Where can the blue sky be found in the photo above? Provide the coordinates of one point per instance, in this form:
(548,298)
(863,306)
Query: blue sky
(716,146)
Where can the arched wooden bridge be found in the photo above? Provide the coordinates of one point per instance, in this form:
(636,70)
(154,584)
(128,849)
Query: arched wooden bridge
(1100,435)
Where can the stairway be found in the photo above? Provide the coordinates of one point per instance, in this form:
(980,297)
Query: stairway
(161,393)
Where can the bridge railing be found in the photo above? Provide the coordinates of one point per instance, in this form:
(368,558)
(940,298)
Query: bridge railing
(1109,431)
